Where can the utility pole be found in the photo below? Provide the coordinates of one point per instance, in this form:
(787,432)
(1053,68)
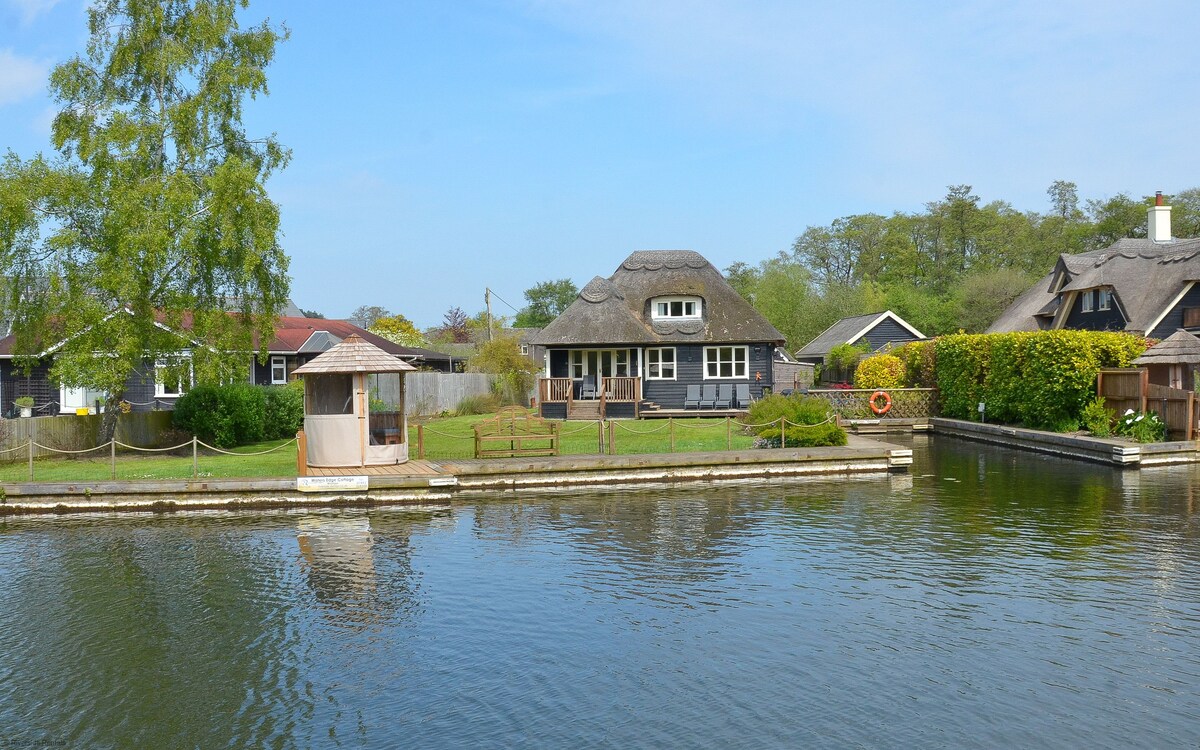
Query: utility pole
(487,300)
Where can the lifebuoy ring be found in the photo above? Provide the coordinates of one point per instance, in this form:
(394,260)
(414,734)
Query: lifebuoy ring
(875,407)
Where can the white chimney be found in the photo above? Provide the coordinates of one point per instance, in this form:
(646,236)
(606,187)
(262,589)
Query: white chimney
(1158,220)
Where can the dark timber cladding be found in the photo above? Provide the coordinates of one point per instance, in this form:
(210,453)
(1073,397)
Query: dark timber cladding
(1173,320)
(1095,319)
(665,318)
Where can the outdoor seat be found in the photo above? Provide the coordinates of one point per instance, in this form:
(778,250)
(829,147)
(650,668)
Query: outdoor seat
(588,389)
(708,395)
(692,400)
(742,394)
(724,396)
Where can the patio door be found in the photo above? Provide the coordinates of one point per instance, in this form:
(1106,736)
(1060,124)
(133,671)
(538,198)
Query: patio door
(603,363)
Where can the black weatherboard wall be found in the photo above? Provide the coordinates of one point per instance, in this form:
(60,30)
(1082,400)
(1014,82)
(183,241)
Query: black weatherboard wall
(689,369)
(1096,320)
(885,331)
(1173,320)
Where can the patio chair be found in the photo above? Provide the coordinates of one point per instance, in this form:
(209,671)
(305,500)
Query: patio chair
(742,394)
(588,389)
(708,395)
(692,400)
(724,396)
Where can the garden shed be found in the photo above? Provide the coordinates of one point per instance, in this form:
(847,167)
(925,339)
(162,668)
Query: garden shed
(1173,361)
(354,407)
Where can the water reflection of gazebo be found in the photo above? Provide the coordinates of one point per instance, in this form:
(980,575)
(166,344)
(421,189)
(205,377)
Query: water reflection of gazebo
(354,407)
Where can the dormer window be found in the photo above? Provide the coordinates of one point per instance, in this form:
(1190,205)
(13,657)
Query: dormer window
(676,307)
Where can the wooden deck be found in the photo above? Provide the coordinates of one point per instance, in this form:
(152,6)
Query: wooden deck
(413,468)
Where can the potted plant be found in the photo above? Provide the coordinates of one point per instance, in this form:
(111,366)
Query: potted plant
(25,404)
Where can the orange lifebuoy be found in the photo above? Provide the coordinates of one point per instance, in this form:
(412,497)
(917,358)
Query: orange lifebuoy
(887,403)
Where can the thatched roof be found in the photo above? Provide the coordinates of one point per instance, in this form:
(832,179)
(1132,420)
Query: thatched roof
(354,355)
(1180,348)
(1146,278)
(616,310)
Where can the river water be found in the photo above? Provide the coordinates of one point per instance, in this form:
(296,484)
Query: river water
(991,598)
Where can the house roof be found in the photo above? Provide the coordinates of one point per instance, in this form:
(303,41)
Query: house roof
(1180,348)
(616,310)
(1147,279)
(354,355)
(849,330)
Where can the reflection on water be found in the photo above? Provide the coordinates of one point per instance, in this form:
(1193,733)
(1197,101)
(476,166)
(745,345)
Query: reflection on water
(988,598)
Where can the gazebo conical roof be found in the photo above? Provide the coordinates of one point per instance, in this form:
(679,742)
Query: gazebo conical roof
(354,355)
(1180,348)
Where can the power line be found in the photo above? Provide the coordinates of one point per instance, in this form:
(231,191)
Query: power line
(497,296)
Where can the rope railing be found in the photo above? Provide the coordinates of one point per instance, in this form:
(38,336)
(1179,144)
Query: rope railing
(240,453)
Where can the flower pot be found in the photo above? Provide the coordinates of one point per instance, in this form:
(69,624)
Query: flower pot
(26,411)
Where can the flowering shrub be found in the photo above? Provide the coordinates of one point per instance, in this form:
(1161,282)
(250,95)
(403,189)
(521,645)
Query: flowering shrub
(879,371)
(1144,427)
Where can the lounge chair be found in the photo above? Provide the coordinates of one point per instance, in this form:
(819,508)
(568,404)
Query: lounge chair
(742,394)
(724,396)
(708,395)
(692,400)
(588,389)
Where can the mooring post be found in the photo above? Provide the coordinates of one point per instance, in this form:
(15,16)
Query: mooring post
(195,462)
(421,441)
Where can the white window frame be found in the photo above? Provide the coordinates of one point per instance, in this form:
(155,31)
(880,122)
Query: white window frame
(160,388)
(525,350)
(1087,301)
(1105,301)
(579,367)
(654,358)
(712,356)
(660,308)
(279,360)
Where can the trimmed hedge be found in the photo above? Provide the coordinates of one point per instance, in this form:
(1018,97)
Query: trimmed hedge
(1041,379)
(240,413)
(800,411)
(879,371)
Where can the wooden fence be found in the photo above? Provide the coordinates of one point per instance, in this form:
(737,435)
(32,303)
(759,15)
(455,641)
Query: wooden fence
(1130,388)
(436,392)
(71,433)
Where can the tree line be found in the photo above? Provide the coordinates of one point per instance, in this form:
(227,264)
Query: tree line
(954,266)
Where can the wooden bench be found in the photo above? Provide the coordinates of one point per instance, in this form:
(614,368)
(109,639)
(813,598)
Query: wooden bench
(516,432)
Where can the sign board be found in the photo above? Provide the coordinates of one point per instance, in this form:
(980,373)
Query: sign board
(330,484)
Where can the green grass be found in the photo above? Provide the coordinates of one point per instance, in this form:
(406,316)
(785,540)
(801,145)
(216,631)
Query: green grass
(446,438)
(97,466)
(454,437)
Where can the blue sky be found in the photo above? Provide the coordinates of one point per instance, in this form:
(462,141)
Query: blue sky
(443,147)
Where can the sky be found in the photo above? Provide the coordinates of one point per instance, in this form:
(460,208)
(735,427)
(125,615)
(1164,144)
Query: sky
(441,148)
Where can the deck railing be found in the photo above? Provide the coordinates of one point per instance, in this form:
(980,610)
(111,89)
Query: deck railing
(622,389)
(556,390)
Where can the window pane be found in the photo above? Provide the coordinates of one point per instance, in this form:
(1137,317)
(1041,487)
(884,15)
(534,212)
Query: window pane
(329,394)
(668,355)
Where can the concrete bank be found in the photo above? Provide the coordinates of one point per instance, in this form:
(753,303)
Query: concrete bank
(1111,451)
(453,478)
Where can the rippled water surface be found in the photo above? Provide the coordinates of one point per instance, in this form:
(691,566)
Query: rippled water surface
(988,599)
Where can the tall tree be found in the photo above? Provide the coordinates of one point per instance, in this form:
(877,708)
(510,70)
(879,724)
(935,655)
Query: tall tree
(400,330)
(156,210)
(365,316)
(455,326)
(546,301)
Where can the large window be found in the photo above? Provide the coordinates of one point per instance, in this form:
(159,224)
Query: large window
(1105,301)
(660,364)
(172,376)
(726,362)
(676,307)
(1087,301)
(278,370)
(605,362)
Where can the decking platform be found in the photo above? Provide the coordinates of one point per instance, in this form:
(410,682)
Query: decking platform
(415,468)
(690,413)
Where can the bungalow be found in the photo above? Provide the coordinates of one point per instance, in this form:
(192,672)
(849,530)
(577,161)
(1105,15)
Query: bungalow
(665,326)
(875,330)
(1149,286)
(158,385)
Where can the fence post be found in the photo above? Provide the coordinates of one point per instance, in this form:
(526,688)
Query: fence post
(195,460)
(112,455)
(671,429)
(728,434)
(600,436)
(421,441)
(31,455)
(612,429)
(782,432)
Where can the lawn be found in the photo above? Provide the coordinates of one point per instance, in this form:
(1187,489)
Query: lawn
(445,438)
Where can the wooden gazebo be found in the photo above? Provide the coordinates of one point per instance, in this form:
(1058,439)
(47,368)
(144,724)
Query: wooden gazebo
(354,407)
(1173,361)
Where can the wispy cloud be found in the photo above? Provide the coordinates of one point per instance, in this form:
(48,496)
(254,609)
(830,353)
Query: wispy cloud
(20,77)
(29,10)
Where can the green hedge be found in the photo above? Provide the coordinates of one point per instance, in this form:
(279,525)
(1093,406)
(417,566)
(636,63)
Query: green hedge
(1040,379)
(800,412)
(240,413)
